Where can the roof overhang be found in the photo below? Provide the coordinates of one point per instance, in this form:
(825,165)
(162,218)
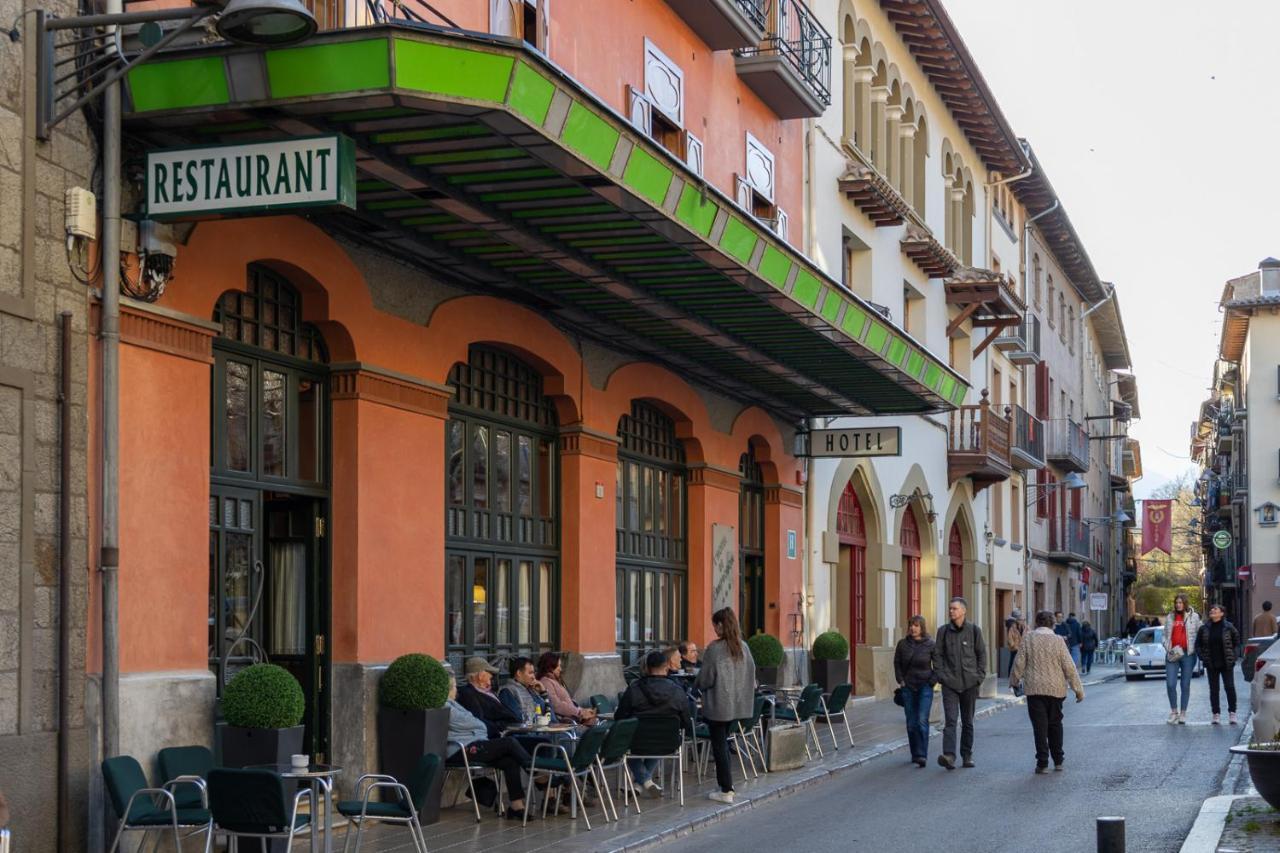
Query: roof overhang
(481,161)
(1036,192)
(1112,341)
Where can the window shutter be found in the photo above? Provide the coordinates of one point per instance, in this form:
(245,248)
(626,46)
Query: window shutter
(780,226)
(1042,391)
(693,153)
(742,193)
(639,110)
(663,84)
(760,168)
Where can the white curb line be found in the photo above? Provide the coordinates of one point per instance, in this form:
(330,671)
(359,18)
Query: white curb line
(1207,830)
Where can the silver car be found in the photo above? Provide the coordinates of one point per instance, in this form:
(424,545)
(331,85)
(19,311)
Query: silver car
(1145,656)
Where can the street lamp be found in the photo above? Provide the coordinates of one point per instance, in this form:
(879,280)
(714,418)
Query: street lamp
(254,22)
(1071,482)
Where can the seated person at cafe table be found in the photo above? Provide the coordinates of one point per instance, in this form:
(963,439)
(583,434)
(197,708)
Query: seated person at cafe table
(477,696)
(503,753)
(524,695)
(688,656)
(653,695)
(549,674)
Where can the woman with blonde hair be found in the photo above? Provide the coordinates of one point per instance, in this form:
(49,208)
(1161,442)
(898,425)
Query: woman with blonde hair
(913,669)
(1180,629)
(1045,670)
(728,684)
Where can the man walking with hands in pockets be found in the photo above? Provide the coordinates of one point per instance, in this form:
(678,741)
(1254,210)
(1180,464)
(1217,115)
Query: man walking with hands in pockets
(960,663)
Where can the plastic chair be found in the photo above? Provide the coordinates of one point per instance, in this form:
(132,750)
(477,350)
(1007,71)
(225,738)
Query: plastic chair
(836,705)
(803,713)
(555,760)
(247,803)
(189,766)
(411,796)
(156,810)
(613,755)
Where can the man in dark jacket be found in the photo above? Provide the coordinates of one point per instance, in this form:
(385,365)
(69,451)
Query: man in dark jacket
(653,695)
(477,696)
(960,663)
(1218,644)
(1073,638)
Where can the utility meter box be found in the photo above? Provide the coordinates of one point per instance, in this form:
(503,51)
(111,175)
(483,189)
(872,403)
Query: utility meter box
(82,213)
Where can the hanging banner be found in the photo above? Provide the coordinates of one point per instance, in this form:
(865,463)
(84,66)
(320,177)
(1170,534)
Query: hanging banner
(1157,527)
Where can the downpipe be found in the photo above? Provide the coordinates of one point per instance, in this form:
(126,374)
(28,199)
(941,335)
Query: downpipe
(64,579)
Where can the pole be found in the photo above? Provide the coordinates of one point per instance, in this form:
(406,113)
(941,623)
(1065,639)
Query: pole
(64,579)
(110,554)
(1111,835)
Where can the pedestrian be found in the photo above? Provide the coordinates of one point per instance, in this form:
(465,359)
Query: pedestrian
(913,669)
(960,664)
(1073,638)
(1088,645)
(1045,670)
(1014,627)
(1264,624)
(1217,644)
(727,679)
(1132,627)
(1180,629)
(1153,622)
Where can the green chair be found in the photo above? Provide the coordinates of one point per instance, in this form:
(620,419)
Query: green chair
(554,759)
(188,767)
(603,704)
(661,737)
(410,798)
(835,705)
(143,809)
(613,755)
(805,709)
(248,803)
(745,739)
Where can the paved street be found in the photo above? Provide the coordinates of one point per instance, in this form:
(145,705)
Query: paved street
(1118,749)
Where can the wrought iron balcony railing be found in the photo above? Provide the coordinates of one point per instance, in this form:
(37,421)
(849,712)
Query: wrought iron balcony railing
(1068,445)
(1028,440)
(798,83)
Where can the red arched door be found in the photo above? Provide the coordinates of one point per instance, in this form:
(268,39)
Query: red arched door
(910,540)
(852,535)
(955,553)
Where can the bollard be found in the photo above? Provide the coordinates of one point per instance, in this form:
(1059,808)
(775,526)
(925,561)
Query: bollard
(1110,835)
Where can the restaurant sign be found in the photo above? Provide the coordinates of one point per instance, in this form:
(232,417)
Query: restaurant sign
(312,172)
(865,441)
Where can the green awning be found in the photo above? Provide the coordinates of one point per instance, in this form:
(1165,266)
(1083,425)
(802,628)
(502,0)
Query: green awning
(480,159)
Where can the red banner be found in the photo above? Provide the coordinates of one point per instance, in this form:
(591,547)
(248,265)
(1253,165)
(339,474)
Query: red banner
(1157,527)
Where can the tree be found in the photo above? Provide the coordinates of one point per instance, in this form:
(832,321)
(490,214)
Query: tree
(1160,575)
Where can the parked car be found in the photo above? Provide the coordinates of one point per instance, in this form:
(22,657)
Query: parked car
(1145,656)
(1264,697)
(1253,647)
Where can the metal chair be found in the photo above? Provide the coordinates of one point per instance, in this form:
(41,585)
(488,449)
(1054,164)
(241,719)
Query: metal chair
(747,738)
(805,709)
(603,704)
(156,810)
(411,796)
(613,754)
(661,738)
(554,759)
(471,769)
(836,705)
(188,767)
(247,803)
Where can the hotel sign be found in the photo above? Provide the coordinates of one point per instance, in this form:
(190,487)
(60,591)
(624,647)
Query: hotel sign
(313,172)
(865,441)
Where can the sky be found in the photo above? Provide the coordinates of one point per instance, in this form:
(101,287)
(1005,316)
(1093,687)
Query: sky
(1157,124)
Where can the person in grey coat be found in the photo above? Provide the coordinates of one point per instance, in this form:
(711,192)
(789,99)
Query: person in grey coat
(960,664)
(728,684)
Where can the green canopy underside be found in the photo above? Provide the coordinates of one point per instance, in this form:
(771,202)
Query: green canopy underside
(479,160)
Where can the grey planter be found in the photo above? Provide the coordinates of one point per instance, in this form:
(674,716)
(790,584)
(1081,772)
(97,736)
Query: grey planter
(406,736)
(828,673)
(1264,767)
(245,747)
(767,676)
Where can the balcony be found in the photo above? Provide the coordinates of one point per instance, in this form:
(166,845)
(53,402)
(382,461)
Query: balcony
(987,301)
(1067,445)
(978,445)
(1132,459)
(1021,343)
(934,259)
(790,67)
(724,24)
(1115,456)
(1028,440)
(1069,540)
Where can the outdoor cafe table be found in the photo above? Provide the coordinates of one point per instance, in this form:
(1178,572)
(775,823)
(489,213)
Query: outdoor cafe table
(317,776)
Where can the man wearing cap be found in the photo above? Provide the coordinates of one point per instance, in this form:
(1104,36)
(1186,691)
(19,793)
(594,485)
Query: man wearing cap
(478,697)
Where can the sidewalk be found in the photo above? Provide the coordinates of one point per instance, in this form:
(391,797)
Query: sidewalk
(878,729)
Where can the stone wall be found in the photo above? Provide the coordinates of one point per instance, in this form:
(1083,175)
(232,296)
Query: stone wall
(36,284)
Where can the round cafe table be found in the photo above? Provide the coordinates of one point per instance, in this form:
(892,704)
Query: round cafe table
(317,777)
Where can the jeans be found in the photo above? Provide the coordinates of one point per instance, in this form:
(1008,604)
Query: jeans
(916,702)
(505,754)
(958,704)
(1228,676)
(1180,670)
(1075,655)
(1086,660)
(720,752)
(1046,725)
(641,769)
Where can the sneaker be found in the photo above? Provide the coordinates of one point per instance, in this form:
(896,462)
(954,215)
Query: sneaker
(947,761)
(968,762)
(652,790)
(921,762)
(1173,718)
(725,797)
(1182,718)
(1217,719)
(1040,768)
(1058,768)
(1232,718)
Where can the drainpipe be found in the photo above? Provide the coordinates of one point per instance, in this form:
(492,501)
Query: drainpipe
(65,575)
(990,205)
(1111,292)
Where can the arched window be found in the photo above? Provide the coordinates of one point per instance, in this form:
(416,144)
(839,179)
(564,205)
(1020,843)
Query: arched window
(955,556)
(1071,329)
(911,554)
(921,143)
(966,224)
(851,531)
(1049,302)
(268,314)
(1035,273)
(1062,316)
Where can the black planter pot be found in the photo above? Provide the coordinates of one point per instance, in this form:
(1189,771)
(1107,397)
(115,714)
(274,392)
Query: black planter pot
(406,736)
(244,747)
(828,673)
(1264,767)
(767,676)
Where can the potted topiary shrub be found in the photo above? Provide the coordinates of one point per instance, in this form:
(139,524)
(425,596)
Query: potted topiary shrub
(766,650)
(262,706)
(413,722)
(830,660)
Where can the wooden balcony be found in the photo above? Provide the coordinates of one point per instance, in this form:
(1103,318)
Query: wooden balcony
(934,259)
(978,444)
(873,194)
(986,299)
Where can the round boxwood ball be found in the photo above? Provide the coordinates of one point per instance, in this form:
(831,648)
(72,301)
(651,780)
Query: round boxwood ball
(263,696)
(830,645)
(414,682)
(765,649)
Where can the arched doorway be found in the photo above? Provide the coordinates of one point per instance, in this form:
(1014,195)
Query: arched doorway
(501,510)
(652,567)
(911,554)
(852,534)
(269,490)
(751,595)
(955,556)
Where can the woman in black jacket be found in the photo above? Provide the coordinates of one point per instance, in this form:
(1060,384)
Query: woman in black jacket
(913,669)
(1218,645)
(1088,645)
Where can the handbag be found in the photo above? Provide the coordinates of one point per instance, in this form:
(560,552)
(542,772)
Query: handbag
(898,698)
(1174,654)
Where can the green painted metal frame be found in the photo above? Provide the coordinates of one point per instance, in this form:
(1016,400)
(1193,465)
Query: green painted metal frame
(480,154)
